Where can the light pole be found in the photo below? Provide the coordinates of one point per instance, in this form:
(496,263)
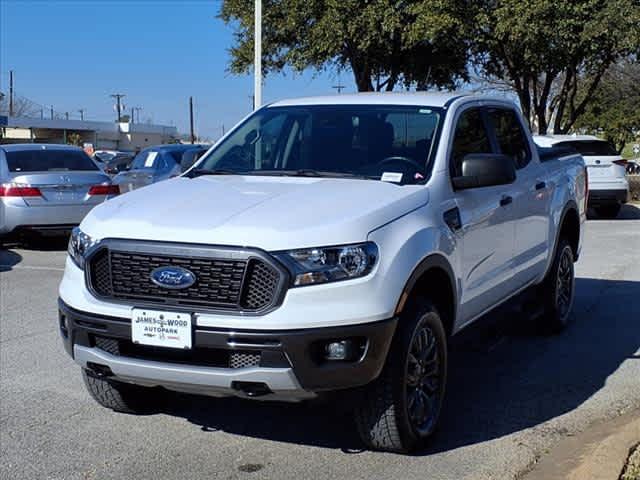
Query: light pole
(257,60)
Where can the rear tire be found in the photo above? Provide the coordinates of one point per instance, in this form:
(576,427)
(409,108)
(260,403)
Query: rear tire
(608,211)
(119,396)
(401,408)
(558,288)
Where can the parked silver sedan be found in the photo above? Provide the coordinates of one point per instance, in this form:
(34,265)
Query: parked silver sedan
(48,188)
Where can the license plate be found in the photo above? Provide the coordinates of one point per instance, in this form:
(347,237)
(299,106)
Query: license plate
(160,328)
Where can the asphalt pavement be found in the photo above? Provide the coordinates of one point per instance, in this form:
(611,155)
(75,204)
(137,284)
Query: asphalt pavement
(513,393)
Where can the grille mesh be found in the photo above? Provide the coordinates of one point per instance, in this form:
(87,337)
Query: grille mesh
(220,283)
(242,360)
(261,286)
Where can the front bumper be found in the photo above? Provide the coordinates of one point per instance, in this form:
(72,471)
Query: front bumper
(288,363)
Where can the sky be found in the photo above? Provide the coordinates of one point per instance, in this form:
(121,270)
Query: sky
(74,54)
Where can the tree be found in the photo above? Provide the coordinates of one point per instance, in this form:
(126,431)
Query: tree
(22,107)
(543,48)
(385,43)
(614,109)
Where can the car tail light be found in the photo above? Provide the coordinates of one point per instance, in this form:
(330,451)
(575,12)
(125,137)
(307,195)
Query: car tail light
(622,162)
(104,190)
(14,190)
(586,189)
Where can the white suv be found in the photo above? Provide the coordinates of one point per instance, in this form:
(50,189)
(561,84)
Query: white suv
(608,187)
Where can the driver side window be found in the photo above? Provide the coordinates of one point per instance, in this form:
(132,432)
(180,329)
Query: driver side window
(470,136)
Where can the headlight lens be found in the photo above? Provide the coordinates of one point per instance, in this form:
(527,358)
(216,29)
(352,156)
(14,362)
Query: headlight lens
(329,264)
(79,244)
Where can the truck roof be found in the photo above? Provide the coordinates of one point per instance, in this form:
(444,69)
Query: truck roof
(432,99)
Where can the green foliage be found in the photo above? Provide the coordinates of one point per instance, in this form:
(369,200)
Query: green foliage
(384,42)
(74,139)
(614,108)
(544,47)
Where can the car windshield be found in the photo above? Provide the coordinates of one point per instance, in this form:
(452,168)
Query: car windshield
(371,141)
(591,147)
(46,160)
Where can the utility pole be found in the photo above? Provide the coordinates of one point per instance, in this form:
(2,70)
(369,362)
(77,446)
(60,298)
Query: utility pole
(118,97)
(51,112)
(132,112)
(137,110)
(339,88)
(42,114)
(193,137)
(11,93)
(257,60)
(81,114)
(66,115)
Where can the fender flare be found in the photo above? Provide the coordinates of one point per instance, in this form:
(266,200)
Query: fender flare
(569,206)
(432,261)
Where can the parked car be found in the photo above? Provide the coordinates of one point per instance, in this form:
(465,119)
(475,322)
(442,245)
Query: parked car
(153,165)
(325,244)
(118,163)
(608,187)
(48,188)
(103,156)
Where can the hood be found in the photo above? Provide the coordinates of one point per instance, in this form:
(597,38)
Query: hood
(272,213)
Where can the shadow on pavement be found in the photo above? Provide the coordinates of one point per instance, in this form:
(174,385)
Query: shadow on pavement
(8,259)
(627,212)
(505,376)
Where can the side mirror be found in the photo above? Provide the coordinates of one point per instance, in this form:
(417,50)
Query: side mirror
(485,170)
(188,159)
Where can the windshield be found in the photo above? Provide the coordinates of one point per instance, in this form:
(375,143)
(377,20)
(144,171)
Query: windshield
(45,160)
(337,140)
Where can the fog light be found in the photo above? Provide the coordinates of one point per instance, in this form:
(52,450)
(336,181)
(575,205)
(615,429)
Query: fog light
(337,350)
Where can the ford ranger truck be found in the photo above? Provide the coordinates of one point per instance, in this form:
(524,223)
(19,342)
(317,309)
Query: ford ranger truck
(325,244)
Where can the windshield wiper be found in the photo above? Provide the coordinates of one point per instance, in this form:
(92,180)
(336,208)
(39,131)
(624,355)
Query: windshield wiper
(308,172)
(212,171)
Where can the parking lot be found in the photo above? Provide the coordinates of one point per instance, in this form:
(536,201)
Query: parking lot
(513,392)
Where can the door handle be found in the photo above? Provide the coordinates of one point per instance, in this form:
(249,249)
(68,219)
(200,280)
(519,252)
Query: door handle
(541,185)
(506,200)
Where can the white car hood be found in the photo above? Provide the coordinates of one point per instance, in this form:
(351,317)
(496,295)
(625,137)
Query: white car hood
(272,213)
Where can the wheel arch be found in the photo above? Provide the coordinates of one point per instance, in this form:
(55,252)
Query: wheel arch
(569,227)
(433,278)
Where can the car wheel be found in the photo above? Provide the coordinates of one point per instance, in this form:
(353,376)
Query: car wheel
(120,396)
(402,407)
(559,288)
(608,211)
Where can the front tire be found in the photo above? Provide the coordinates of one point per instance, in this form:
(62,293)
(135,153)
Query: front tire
(558,288)
(402,407)
(119,396)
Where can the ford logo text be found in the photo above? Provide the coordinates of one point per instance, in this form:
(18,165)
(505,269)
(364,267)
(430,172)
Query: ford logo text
(173,277)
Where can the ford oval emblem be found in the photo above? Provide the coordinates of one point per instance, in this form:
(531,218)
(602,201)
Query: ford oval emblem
(173,277)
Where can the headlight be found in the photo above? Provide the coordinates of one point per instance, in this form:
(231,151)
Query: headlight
(329,264)
(79,244)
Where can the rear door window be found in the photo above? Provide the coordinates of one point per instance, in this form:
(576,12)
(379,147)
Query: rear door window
(470,137)
(44,160)
(510,135)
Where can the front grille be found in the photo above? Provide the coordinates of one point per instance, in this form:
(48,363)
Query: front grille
(199,356)
(240,284)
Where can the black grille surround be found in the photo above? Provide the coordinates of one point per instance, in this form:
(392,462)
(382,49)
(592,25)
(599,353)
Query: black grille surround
(228,280)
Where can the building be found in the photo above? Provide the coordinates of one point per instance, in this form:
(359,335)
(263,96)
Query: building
(101,135)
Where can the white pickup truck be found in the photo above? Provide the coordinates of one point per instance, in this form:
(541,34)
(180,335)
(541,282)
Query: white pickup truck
(325,244)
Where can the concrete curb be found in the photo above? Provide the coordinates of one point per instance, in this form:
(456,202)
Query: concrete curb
(598,453)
